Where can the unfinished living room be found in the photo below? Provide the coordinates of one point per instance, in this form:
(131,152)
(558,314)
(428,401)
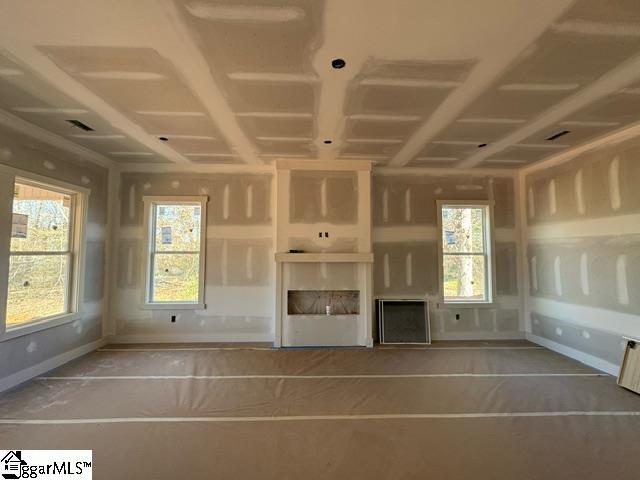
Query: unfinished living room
(320,239)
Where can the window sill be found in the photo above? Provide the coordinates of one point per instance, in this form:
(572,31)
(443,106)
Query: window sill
(39,325)
(173,306)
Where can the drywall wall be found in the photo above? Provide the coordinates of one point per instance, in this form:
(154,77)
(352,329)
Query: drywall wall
(30,155)
(239,270)
(583,251)
(405,238)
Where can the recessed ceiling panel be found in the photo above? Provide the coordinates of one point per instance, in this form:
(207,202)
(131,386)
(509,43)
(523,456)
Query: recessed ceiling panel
(446,71)
(512,104)
(396,99)
(163,124)
(277,126)
(214,159)
(188,146)
(616,12)
(578,132)
(285,146)
(379,129)
(476,132)
(621,108)
(568,61)
(132,79)
(29,97)
(366,148)
(256,36)
(526,153)
(272,97)
(432,162)
(447,150)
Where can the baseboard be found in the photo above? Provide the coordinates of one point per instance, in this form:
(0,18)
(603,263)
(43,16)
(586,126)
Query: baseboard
(191,338)
(477,335)
(49,364)
(582,357)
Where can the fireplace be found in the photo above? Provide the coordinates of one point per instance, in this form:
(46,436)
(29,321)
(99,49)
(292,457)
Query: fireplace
(323,302)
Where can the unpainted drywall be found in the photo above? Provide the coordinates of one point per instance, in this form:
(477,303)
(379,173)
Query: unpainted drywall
(411,200)
(601,344)
(322,196)
(322,276)
(406,250)
(588,271)
(603,183)
(28,154)
(583,234)
(239,275)
(234,199)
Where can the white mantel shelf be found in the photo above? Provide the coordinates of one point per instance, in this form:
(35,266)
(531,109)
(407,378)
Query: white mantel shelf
(324,257)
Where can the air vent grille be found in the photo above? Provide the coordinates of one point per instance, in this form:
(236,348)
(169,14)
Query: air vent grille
(558,135)
(80,125)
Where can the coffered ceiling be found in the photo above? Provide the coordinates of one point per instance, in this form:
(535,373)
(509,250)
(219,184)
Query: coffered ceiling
(455,84)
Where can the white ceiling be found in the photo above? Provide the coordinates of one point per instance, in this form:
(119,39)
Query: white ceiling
(425,83)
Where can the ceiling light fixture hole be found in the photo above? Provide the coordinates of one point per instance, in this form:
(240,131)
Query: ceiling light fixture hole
(338,63)
(327,142)
(163,139)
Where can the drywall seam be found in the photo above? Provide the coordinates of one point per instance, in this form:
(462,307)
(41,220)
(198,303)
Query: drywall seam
(521,248)
(524,194)
(49,364)
(405,171)
(418,233)
(194,168)
(582,357)
(617,323)
(111,254)
(628,224)
(614,184)
(16,123)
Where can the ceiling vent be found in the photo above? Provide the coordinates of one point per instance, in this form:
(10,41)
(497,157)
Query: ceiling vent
(80,125)
(558,135)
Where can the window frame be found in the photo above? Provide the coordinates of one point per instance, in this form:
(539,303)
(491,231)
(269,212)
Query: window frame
(76,251)
(489,253)
(150,204)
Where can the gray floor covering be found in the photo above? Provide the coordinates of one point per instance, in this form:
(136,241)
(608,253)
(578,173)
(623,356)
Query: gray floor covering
(478,410)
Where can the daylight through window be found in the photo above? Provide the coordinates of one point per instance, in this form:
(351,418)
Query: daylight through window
(466,253)
(41,255)
(175,263)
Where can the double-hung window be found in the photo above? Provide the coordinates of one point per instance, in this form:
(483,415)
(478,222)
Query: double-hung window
(466,252)
(176,232)
(43,287)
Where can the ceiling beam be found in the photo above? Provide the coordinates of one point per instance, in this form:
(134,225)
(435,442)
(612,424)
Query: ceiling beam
(482,77)
(9,120)
(605,85)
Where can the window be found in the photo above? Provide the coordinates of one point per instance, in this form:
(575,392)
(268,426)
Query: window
(44,254)
(465,246)
(175,261)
